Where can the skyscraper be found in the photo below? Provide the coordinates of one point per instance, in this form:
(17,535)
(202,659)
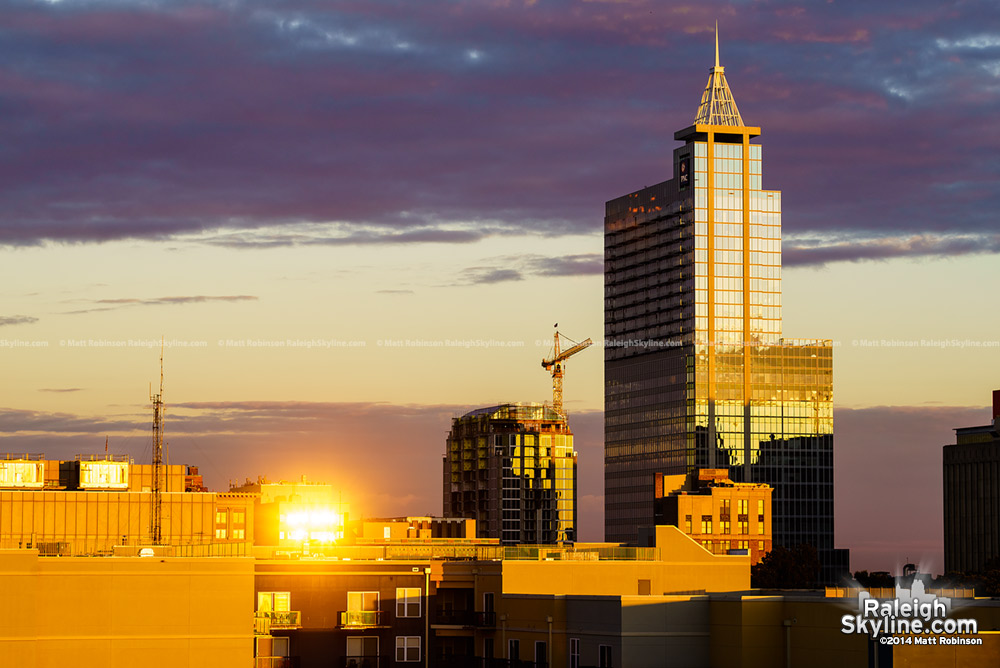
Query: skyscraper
(972,496)
(512,468)
(697,373)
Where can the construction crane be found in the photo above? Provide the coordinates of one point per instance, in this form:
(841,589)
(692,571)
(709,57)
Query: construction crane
(557,367)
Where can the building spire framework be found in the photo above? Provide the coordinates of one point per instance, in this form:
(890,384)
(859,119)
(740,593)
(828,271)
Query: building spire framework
(717,104)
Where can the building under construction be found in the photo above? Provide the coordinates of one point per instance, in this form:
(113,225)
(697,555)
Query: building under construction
(512,468)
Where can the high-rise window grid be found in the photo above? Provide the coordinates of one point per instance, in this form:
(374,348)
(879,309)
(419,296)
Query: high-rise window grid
(698,372)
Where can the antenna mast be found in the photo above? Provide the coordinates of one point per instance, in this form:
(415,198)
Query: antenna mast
(155,528)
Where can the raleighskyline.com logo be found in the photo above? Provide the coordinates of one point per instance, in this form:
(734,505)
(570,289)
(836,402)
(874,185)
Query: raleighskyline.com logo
(918,619)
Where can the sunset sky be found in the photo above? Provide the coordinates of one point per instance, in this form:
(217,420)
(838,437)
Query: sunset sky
(238,177)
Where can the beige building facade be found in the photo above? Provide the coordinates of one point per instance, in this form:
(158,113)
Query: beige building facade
(723,516)
(125,611)
(97,504)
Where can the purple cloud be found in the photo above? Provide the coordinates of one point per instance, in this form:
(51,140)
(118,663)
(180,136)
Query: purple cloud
(15,423)
(488,275)
(318,235)
(17,320)
(112,304)
(516,268)
(398,121)
(820,253)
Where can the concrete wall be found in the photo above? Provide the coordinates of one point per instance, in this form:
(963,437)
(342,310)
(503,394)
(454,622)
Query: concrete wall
(122,612)
(661,631)
(752,631)
(950,656)
(683,566)
(141,477)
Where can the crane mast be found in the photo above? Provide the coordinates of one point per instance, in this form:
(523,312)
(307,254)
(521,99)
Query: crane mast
(556,365)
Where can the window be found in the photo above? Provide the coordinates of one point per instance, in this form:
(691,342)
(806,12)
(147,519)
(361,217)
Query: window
(488,650)
(407,601)
(220,533)
(687,523)
(270,646)
(361,650)
(513,648)
(238,534)
(744,527)
(407,649)
(358,601)
(541,653)
(221,516)
(239,517)
(644,587)
(605,657)
(362,609)
(574,653)
(273,601)
(724,509)
(706,524)
(741,504)
(488,601)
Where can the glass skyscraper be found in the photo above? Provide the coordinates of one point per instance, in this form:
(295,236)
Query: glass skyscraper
(697,373)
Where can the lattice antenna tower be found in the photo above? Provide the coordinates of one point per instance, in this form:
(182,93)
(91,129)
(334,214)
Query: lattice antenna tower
(156,516)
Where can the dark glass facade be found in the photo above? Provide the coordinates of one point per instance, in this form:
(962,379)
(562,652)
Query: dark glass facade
(971,468)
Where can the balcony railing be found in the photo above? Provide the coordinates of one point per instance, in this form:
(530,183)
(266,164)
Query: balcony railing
(465,618)
(452,661)
(284,619)
(276,662)
(364,662)
(266,620)
(417,551)
(360,618)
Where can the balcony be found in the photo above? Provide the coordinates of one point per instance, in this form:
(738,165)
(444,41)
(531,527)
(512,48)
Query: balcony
(465,618)
(268,620)
(276,662)
(452,661)
(374,661)
(359,619)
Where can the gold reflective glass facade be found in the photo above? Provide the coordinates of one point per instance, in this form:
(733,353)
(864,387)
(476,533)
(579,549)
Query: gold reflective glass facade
(697,373)
(22,472)
(104,474)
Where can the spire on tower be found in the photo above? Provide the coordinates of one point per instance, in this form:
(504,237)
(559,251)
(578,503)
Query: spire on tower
(717,44)
(717,104)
